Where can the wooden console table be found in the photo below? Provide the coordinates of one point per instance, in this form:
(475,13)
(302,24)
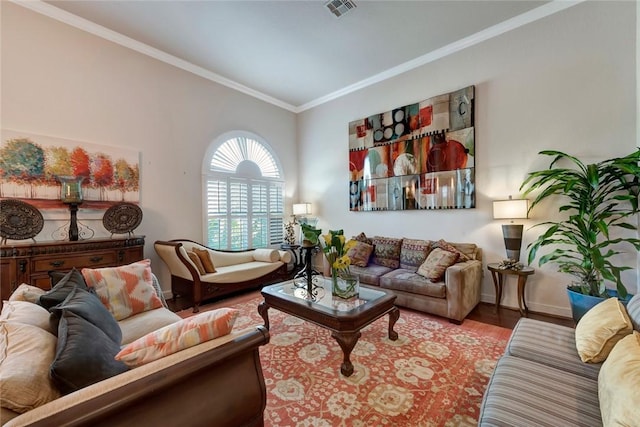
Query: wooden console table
(498,275)
(28,262)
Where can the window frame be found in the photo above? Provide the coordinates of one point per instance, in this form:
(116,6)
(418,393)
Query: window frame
(271,218)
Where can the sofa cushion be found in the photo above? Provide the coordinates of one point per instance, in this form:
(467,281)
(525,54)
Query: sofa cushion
(370,274)
(178,336)
(62,288)
(195,259)
(124,290)
(437,262)
(633,309)
(27,313)
(27,293)
(413,253)
(84,354)
(408,281)
(600,329)
(89,307)
(205,258)
(386,251)
(525,393)
(141,324)
(442,244)
(549,344)
(619,383)
(26,351)
(360,253)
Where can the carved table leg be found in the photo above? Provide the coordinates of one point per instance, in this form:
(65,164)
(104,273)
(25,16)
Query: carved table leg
(346,341)
(394,315)
(262,309)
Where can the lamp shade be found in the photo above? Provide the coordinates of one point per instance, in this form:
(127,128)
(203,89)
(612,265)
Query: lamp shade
(302,208)
(510,209)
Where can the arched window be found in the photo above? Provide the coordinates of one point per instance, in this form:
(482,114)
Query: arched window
(244,193)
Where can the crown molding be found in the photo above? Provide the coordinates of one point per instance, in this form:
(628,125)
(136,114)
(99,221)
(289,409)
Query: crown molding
(479,37)
(533,15)
(115,37)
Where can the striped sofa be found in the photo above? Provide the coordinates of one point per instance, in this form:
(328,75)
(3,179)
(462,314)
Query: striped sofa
(541,381)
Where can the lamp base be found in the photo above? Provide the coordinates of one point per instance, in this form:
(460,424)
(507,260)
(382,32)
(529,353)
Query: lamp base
(512,234)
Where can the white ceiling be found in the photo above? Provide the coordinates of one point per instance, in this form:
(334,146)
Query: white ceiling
(296,54)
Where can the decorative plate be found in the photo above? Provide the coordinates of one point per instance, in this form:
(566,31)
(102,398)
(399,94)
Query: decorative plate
(122,218)
(19,220)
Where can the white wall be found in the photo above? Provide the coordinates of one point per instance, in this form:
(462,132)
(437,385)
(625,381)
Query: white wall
(62,82)
(567,82)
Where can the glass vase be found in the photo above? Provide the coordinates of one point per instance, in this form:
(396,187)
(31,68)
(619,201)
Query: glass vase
(344,285)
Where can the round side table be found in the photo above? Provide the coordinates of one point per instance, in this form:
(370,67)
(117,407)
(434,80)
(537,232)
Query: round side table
(499,274)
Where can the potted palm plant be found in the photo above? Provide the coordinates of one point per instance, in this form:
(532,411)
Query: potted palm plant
(598,198)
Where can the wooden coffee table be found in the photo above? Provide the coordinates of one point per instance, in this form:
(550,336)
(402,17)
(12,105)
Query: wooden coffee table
(344,318)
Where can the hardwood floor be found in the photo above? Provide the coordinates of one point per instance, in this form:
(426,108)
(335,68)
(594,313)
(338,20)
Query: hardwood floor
(508,317)
(484,312)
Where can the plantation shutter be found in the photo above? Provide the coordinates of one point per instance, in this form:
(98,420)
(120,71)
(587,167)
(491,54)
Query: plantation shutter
(244,196)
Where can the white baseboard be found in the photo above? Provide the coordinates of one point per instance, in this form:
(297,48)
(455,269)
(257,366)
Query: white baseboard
(533,306)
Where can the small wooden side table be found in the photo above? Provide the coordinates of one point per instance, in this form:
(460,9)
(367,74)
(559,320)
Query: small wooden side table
(499,274)
(296,252)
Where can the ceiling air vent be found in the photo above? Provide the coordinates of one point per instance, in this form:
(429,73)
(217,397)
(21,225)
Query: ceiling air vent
(340,7)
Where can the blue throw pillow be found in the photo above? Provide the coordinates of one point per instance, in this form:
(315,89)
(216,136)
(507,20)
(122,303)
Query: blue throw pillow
(62,288)
(90,308)
(84,354)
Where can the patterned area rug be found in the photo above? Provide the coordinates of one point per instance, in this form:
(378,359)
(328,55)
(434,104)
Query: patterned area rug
(434,375)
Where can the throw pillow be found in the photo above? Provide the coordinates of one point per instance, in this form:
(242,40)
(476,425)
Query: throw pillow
(59,292)
(359,254)
(633,309)
(437,262)
(26,352)
(413,253)
(89,307)
(27,293)
(178,336)
(124,290)
(600,329)
(386,251)
(27,313)
(363,238)
(619,383)
(196,261)
(84,354)
(205,257)
(442,244)
(266,255)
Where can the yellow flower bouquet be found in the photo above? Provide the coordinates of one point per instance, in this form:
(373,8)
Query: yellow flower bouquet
(335,248)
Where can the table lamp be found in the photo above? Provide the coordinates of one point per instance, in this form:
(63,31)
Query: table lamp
(512,233)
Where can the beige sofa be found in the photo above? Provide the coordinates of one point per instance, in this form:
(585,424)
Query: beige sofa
(453,297)
(196,386)
(235,270)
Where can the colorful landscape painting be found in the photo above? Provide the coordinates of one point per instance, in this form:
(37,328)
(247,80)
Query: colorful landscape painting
(31,164)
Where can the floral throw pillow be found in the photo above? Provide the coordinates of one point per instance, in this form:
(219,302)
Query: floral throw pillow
(124,290)
(359,254)
(436,264)
(413,253)
(442,244)
(386,251)
(362,238)
(178,336)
